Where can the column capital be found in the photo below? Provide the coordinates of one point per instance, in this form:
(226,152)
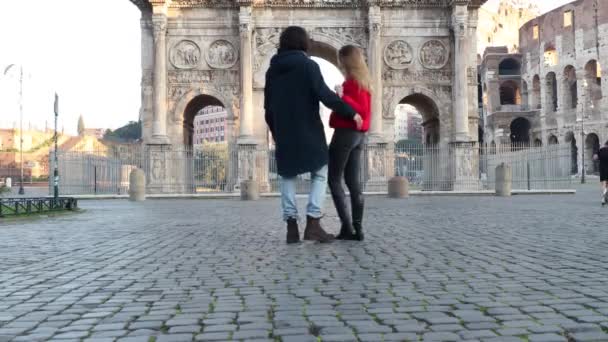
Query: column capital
(245,22)
(159,25)
(460,22)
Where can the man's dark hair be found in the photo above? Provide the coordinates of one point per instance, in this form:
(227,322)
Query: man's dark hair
(606,143)
(294,38)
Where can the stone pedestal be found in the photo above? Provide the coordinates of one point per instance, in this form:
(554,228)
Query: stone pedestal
(504,179)
(378,168)
(253,164)
(398,187)
(137,185)
(159,168)
(250,190)
(465,166)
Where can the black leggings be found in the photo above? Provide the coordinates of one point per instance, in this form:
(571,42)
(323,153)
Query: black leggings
(345,153)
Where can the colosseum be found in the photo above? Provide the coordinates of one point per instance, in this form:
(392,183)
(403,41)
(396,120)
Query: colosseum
(551,90)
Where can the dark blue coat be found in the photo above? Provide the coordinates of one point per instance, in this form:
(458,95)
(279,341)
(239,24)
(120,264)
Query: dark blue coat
(294,88)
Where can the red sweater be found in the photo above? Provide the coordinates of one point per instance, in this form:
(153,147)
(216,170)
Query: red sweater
(360,100)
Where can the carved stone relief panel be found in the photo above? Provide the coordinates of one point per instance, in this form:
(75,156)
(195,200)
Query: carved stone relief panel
(404,77)
(185,55)
(265,46)
(221,54)
(434,54)
(203,76)
(345,35)
(398,54)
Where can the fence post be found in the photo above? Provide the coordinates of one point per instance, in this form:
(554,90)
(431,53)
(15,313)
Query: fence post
(137,185)
(504,178)
(398,187)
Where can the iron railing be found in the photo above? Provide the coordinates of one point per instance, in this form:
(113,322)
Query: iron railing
(24,206)
(221,168)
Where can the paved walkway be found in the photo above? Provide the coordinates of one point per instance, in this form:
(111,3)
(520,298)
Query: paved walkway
(529,268)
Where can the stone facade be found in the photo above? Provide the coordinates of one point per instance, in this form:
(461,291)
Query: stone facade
(500,28)
(556,77)
(198,53)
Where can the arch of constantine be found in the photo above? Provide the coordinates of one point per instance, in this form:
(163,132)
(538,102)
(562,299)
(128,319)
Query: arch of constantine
(198,53)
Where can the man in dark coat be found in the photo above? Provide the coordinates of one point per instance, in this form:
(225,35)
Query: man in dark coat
(294,88)
(602,157)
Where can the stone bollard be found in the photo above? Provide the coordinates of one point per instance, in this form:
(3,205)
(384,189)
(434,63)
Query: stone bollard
(250,190)
(504,180)
(398,187)
(8,182)
(137,185)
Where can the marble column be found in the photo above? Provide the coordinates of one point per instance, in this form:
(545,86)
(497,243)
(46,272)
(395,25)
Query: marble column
(146,114)
(159,123)
(246,114)
(460,88)
(375,61)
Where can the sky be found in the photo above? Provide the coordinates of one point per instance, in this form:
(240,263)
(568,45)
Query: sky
(86,52)
(543,5)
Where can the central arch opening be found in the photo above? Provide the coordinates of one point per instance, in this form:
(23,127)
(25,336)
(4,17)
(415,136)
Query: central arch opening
(420,116)
(418,130)
(205,121)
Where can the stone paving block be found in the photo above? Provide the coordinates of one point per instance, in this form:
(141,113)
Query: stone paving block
(174,338)
(290,331)
(546,338)
(339,338)
(401,337)
(302,338)
(369,337)
(109,333)
(477,334)
(72,334)
(598,336)
(134,339)
(185,329)
(99,339)
(502,339)
(213,336)
(441,336)
(250,334)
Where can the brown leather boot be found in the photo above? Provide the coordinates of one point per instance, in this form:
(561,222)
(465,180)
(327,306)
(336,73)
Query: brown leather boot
(314,231)
(293,233)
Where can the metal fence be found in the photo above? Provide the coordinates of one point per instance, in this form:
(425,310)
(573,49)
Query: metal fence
(221,168)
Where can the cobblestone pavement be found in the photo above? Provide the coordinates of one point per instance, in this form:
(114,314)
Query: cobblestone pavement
(434,269)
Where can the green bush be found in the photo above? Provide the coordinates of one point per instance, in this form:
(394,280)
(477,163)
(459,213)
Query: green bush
(4,190)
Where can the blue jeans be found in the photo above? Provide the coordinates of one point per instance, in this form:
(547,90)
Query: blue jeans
(316,197)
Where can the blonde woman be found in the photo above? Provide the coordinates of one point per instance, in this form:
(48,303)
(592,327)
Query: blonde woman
(346,148)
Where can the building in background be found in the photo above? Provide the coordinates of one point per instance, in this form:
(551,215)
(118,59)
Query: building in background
(551,91)
(210,125)
(414,127)
(408,123)
(95,132)
(502,28)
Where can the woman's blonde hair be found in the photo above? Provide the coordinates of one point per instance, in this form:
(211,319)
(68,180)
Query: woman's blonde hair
(353,62)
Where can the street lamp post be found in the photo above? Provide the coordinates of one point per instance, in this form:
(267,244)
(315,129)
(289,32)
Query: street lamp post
(583,146)
(21,189)
(56,166)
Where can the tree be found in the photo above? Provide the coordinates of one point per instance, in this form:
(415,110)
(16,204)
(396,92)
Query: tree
(128,132)
(81,126)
